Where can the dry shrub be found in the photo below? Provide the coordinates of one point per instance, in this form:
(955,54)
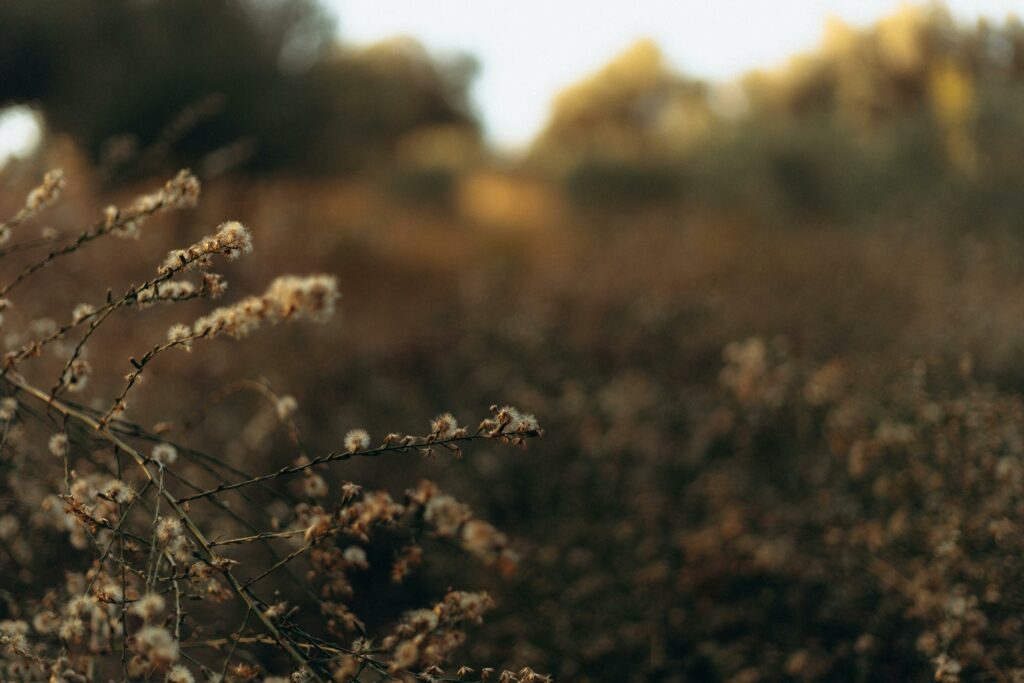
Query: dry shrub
(769,456)
(128,551)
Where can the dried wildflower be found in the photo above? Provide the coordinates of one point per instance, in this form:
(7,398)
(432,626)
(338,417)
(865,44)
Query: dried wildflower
(482,540)
(469,605)
(285,406)
(118,409)
(108,592)
(78,375)
(110,216)
(376,507)
(168,529)
(314,486)
(356,557)
(287,298)
(8,408)
(180,192)
(71,629)
(164,453)
(173,290)
(214,285)
(81,312)
(424,491)
(524,424)
(130,229)
(179,674)
(119,491)
(357,440)
(446,514)
(243,672)
(350,490)
(231,241)
(947,669)
(406,654)
(309,297)
(144,556)
(411,556)
(148,606)
(444,426)
(47,192)
(222,564)
(181,335)
(157,646)
(319,526)
(346,669)
(9,526)
(276,611)
(45,622)
(59,445)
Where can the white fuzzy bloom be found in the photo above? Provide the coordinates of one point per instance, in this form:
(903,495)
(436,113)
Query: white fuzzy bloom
(157,645)
(81,312)
(59,445)
(444,426)
(148,606)
(286,407)
(78,375)
(356,557)
(180,334)
(48,192)
(119,491)
(231,240)
(165,454)
(8,408)
(357,440)
(180,192)
(164,291)
(179,674)
(314,486)
(168,529)
(287,298)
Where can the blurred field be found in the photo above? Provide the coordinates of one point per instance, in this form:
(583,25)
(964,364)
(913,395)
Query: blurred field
(778,360)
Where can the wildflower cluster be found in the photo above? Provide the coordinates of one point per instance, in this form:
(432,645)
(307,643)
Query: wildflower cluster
(287,298)
(231,240)
(185,566)
(46,193)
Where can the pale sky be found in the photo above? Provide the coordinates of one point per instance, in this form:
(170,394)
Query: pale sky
(529,50)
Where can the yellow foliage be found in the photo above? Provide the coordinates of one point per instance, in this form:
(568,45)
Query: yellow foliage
(954,104)
(501,201)
(629,75)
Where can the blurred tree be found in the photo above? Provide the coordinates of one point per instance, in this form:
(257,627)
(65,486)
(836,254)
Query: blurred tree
(184,77)
(635,107)
(616,137)
(912,110)
(865,76)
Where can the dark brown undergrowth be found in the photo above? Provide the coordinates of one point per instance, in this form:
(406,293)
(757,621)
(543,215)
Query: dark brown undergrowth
(768,456)
(142,552)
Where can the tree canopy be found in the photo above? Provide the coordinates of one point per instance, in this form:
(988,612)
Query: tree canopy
(181,78)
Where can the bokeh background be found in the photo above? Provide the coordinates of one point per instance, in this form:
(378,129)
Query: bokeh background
(771,314)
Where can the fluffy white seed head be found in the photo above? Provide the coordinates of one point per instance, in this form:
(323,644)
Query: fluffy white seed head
(357,440)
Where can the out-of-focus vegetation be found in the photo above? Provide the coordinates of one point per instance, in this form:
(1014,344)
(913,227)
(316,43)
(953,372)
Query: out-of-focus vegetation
(262,83)
(773,330)
(914,113)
